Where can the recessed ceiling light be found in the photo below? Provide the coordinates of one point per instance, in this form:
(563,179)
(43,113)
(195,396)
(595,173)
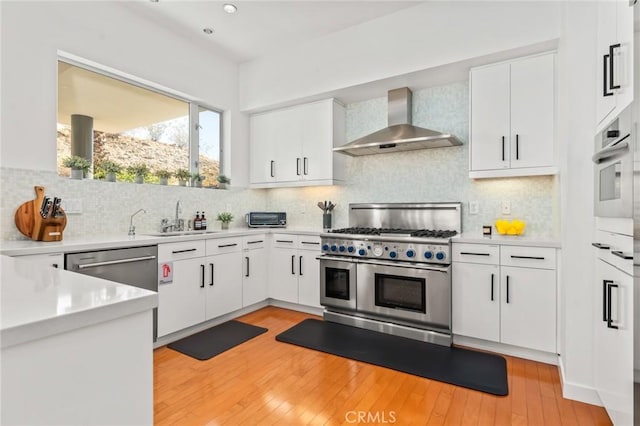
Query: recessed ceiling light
(229,8)
(207,31)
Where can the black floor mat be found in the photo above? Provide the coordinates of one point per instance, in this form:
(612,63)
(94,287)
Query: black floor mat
(215,340)
(462,367)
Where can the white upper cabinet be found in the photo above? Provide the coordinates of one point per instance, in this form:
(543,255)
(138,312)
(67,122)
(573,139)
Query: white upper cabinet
(294,146)
(513,118)
(614,82)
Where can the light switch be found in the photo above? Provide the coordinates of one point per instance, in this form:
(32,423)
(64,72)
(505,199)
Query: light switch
(506,207)
(474,207)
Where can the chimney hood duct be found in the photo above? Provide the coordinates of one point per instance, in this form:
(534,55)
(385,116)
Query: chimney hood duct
(400,135)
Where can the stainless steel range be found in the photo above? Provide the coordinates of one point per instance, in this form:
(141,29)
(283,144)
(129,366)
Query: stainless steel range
(390,271)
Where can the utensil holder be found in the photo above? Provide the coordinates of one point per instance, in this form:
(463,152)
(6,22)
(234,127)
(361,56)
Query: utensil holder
(326,221)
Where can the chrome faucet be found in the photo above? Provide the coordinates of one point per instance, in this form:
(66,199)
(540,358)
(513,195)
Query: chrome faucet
(177,225)
(132,229)
(178,211)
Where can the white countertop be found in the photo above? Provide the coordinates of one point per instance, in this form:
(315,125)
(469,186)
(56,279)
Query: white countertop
(100,242)
(507,240)
(39,301)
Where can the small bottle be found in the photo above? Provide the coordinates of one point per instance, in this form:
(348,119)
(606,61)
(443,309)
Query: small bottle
(197,222)
(203,222)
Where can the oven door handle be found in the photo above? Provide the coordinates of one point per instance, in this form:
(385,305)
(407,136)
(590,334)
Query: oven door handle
(422,266)
(338,258)
(618,149)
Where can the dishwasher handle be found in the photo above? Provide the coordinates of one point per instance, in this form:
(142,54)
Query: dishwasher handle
(115,262)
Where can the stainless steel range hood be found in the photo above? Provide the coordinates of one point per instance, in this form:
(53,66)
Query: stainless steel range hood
(400,135)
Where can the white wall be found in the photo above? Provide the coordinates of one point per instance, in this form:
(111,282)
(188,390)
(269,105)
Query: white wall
(413,39)
(110,34)
(576,120)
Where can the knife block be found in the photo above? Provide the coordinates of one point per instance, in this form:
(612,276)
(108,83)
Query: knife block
(31,224)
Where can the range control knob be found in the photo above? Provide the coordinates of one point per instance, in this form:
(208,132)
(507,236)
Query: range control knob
(325,247)
(334,247)
(377,250)
(392,254)
(342,249)
(351,249)
(440,255)
(411,253)
(428,254)
(362,252)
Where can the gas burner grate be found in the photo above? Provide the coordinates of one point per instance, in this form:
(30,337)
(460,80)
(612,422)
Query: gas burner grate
(419,233)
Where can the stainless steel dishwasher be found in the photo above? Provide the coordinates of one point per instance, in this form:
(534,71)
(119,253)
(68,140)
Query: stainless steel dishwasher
(135,266)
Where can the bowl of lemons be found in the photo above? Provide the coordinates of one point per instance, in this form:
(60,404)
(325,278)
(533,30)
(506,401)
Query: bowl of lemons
(513,227)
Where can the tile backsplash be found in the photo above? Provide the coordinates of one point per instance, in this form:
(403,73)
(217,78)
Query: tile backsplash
(431,175)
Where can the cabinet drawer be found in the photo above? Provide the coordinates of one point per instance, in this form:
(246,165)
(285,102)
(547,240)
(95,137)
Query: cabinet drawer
(621,245)
(223,245)
(528,257)
(476,253)
(309,242)
(182,250)
(253,241)
(285,240)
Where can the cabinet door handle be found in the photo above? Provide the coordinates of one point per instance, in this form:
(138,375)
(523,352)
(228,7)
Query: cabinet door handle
(298,166)
(272,169)
(517,146)
(621,254)
(507,288)
(503,148)
(601,246)
(513,256)
(212,273)
(470,253)
(305,166)
(201,276)
(315,243)
(227,245)
(492,287)
(611,66)
(255,242)
(609,319)
(605,284)
(183,251)
(284,241)
(300,266)
(605,60)
(247,259)
(293,264)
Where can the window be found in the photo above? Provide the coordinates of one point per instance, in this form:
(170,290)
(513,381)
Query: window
(108,119)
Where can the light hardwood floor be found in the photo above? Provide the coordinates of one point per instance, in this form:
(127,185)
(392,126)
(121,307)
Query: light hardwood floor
(265,382)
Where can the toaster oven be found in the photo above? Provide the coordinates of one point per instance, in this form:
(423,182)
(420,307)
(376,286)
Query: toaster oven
(266,219)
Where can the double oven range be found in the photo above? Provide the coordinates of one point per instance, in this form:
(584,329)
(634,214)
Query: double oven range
(390,271)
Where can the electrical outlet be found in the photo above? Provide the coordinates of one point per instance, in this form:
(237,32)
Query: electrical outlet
(506,207)
(474,207)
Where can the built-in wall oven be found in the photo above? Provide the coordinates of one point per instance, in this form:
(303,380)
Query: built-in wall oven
(613,161)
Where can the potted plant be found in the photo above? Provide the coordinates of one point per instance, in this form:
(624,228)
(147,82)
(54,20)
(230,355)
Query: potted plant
(196,180)
(79,166)
(110,169)
(223,181)
(183,176)
(164,176)
(139,170)
(225,218)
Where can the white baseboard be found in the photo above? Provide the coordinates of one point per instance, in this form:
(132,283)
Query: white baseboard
(532,354)
(577,392)
(296,307)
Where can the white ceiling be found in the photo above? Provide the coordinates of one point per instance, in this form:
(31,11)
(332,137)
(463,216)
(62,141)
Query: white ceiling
(259,28)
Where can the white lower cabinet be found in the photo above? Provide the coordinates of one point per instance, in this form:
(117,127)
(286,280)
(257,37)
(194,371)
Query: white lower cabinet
(295,271)
(509,299)
(255,268)
(613,341)
(54,260)
(224,283)
(180,301)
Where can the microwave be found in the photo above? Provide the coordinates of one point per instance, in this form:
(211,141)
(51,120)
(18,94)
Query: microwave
(614,163)
(266,219)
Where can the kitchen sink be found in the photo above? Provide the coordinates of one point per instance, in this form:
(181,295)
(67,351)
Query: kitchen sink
(179,233)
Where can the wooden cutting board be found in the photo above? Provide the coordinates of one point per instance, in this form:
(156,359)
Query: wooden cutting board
(31,224)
